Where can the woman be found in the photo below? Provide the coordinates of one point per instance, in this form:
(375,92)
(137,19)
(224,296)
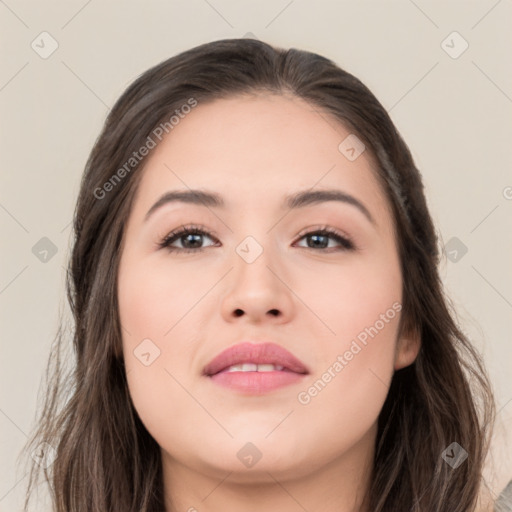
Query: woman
(259,319)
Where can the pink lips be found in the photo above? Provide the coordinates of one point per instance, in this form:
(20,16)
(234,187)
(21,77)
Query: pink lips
(254,382)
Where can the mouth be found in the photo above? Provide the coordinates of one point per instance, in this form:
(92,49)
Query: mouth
(255,368)
(256,383)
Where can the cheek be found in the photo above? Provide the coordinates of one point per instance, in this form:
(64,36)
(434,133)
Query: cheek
(350,386)
(154,296)
(352,298)
(158,344)
(351,381)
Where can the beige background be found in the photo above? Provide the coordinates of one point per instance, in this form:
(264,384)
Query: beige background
(455,114)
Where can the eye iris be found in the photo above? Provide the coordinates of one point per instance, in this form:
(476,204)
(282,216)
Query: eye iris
(316,237)
(198,239)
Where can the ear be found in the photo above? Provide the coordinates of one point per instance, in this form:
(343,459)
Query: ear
(407,349)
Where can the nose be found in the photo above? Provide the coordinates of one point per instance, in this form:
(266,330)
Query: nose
(257,292)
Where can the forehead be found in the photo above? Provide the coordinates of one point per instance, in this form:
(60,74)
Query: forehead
(254,148)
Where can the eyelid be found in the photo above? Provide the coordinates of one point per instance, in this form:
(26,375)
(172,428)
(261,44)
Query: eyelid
(324,227)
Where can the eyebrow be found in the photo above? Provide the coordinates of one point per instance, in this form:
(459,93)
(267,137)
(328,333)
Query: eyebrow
(299,199)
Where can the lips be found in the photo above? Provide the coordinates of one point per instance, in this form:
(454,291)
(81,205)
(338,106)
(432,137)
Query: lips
(256,353)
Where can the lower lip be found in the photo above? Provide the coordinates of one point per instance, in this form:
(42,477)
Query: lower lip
(256,382)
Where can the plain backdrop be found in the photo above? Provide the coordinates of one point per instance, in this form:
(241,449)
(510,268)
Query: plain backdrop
(438,67)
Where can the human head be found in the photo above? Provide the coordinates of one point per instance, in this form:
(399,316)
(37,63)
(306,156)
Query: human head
(419,395)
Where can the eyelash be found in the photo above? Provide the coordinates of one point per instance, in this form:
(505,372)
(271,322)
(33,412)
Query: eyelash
(165,243)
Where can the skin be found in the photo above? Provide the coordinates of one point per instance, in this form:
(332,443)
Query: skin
(254,150)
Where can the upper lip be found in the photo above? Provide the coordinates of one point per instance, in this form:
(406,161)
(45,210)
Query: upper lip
(257,353)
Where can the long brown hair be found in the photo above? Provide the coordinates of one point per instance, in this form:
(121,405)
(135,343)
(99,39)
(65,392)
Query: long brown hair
(105,459)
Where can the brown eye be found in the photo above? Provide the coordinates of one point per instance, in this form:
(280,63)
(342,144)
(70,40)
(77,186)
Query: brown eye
(191,239)
(320,240)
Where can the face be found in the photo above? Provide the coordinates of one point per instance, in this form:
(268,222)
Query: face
(260,269)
